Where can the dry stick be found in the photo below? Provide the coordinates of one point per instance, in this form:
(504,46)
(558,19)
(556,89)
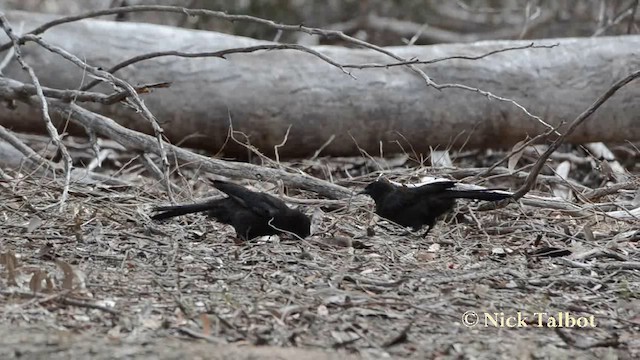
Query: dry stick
(83,304)
(154,171)
(7,59)
(517,174)
(485,10)
(284,141)
(527,19)
(247,145)
(616,20)
(86,96)
(446,58)
(277,26)
(35,161)
(7,136)
(131,139)
(516,150)
(198,335)
(249,49)
(219,54)
(633,15)
(44,107)
(537,167)
(603,191)
(93,140)
(133,96)
(134,140)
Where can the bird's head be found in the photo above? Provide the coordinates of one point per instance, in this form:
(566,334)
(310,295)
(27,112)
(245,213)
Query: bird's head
(378,188)
(302,227)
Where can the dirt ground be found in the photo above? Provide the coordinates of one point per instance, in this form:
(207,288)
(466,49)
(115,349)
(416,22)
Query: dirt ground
(100,280)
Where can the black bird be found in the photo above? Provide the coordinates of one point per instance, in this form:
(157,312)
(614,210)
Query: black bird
(251,214)
(417,206)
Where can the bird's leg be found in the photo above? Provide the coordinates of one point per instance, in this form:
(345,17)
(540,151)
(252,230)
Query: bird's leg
(238,241)
(426,232)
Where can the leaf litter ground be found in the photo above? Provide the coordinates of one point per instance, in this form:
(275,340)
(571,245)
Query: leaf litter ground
(99,279)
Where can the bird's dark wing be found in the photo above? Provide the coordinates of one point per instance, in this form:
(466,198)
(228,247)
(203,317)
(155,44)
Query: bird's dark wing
(226,211)
(261,204)
(431,188)
(404,197)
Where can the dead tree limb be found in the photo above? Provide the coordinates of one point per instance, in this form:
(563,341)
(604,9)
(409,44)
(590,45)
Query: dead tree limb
(131,139)
(269,91)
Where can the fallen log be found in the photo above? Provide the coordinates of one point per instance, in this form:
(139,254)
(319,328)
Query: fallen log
(263,94)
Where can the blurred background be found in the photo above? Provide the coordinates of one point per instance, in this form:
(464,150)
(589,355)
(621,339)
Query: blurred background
(386,22)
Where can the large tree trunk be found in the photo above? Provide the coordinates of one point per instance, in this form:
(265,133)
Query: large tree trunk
(266,92)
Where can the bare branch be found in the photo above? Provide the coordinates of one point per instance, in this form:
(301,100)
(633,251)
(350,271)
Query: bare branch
(44,107)
(133,97)
(537,167)
(273,25)
(220,54)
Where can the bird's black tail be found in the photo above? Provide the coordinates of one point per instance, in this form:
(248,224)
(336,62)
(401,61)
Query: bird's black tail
(177,210)
(487,195)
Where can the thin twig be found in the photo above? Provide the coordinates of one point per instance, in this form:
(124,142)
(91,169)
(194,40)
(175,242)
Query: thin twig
(219,54)
(86,96)
(44,107)
(272,24)
(539,164)
(517,150)
(198,335)
(10,138)
(79,303)
(133,98)
(447,58)
(284,141)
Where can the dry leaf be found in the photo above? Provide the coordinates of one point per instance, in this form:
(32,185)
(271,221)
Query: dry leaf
(513,160)
(338,241)
(46,252)
(425,256)
(441,158)
(77,227)
(67,282)
(322,310)
(588,234)
(114,333)
(35,284)
(636,199)
(344,337)
(511,284)
(10,262)
(481,290)
(367,271)
(499,252)
(49,283)
(610,167)
(605,170)
(34,223)
(562,171)
(316,220)
(600,151)
(96,232)
(206,324)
